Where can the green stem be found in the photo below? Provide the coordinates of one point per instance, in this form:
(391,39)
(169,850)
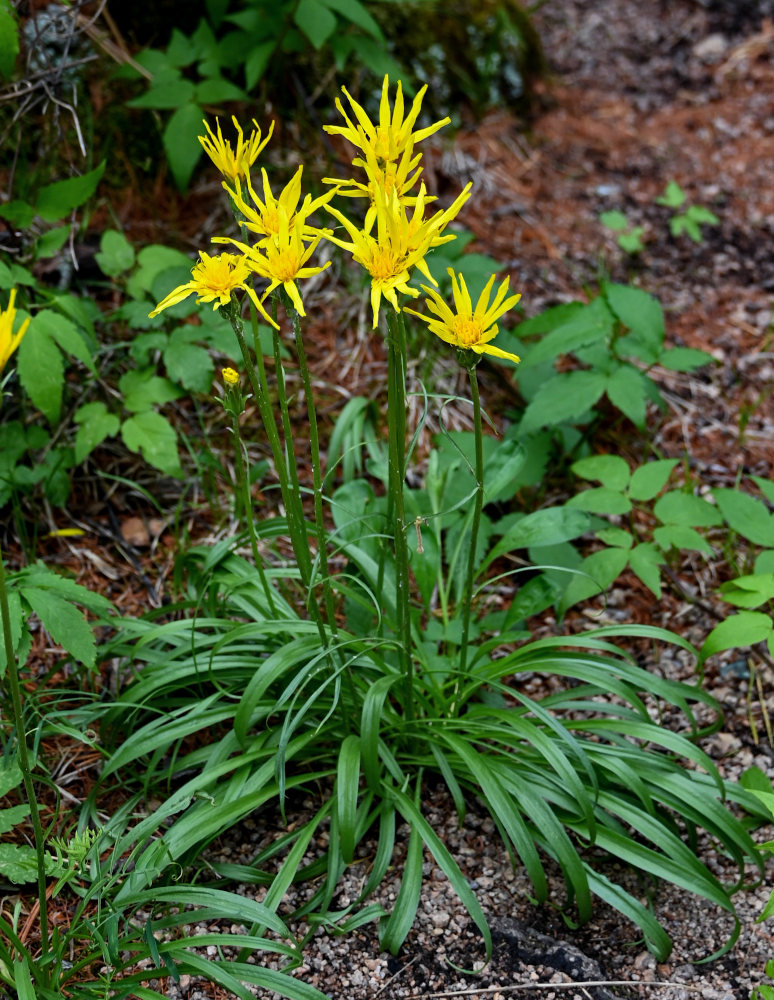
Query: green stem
(24,764)
(477,507)
(243,487)
(314,441)
(396,418)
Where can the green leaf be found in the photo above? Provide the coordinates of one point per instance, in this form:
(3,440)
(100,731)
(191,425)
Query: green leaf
(19,213)
(595,574)
(587,326)
(10,775)
(56,200)
(96,424)
(739,631)
(181,142)
(501,469)
(257,61)
(18,863)
(64,623)
(611,470)
(143,390)
(347,781)
(116,253)
(614,220)
(66,334)
(41,370)
(764,562)
(217,91)
(169,92)
(748,591)
(766,486)
(357,14)
(542,527)
(627,392)
(51,242)
(566,397)
(699,214)
(9,39)
(600,500)
(680,537)
(315,21)
(615,536)
(746,515)
(645,560)
(632,242)
(9,818)
(187,363)
(649,480)
(686,509)
(153,436)
(638,311)
(673,196)
(684,359)
(152,262)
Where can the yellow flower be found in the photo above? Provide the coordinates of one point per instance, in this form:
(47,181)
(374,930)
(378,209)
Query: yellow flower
(213,280)
(468,328)
(400,244)
(9,340)
(393,134)
(282,260)
(264,219)
(383,178)
(230,377)
(233,164)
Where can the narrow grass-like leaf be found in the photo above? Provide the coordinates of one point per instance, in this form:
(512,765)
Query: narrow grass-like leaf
(394,932)
(347,782)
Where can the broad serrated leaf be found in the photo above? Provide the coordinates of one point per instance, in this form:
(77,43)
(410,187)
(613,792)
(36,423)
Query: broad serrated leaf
(95,424)
(649,480)
(144,390)
(41,371)
(66,334)
(739,631)
(154,437)
(562,399)
(64,623)
(627,392)
(181,143)
(18,863)
(57,200)
(610,470)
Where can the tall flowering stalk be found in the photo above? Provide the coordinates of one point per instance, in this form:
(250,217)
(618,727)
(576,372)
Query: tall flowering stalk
(392,243)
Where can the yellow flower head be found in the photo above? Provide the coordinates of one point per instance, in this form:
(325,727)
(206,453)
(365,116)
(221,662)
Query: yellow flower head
(383,178)
(230,377)
(264,217)
(393,134)
(213,280)
(230,163)
(9,340)
(282,261)
(465,327)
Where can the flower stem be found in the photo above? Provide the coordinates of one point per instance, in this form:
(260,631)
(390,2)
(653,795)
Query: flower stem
(314,440)
(243,487)
(477,507)
(396,418)
(24,764)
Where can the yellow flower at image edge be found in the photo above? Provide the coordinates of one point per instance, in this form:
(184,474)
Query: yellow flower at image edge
(9,340)
(467,327)
(230,163)
(213,279)
(230,377)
